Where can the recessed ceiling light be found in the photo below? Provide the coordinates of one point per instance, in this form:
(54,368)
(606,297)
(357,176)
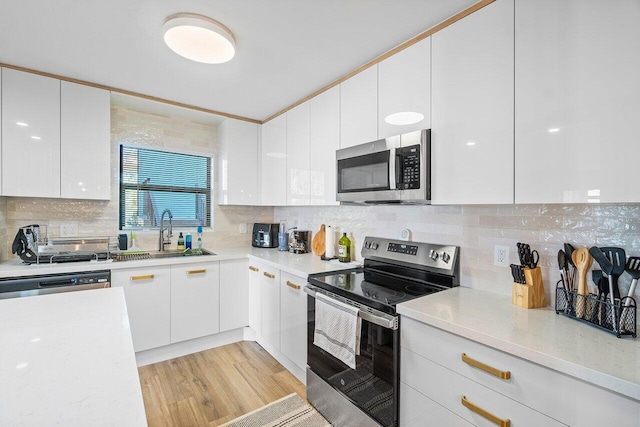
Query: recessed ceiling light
(554,130)
(199,38)
(36,137)
(471,143)
(404,118)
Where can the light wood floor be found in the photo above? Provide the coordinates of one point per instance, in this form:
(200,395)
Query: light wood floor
(214,386)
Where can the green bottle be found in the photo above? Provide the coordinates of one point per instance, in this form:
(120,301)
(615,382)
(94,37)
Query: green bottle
(344,248)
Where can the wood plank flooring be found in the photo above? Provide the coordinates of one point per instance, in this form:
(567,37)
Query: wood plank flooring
(214,386)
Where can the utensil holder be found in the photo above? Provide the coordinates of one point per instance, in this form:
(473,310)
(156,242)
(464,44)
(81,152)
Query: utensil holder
(529,294)
(614,318)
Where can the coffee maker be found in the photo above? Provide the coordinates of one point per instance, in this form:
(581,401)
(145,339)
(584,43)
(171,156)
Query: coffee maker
(300,242)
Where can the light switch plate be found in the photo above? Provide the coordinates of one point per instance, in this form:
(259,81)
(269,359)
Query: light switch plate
(68,230)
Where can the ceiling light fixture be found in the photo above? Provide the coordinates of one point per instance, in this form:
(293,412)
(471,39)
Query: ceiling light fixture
(404,118)
(199,38)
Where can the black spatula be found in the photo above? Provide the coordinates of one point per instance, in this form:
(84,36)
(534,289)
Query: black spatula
(612,261)
(633,269)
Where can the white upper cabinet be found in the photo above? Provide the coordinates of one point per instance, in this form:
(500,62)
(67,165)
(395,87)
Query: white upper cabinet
(30,135)
(298,161)
(324,119)
(577,108)
(472,109)
(273,162)
(85,123)
(404,90)
(359,108)
(0,131)
(238,162)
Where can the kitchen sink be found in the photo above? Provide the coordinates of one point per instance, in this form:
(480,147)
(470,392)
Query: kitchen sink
(178,254)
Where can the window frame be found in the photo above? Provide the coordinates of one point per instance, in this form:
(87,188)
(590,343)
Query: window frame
(207,191)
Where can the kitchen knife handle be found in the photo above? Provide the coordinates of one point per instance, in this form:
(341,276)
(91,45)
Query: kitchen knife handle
(485,414)
(269,275)
(252,268)
(293,285)
(504,375)
(144,277)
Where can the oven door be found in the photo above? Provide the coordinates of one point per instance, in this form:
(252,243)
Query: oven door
(372,386)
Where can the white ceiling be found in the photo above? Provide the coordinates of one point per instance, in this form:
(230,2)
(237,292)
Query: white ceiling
(286,49)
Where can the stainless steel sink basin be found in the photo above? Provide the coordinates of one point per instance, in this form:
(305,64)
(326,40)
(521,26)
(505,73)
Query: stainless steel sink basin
(178,254)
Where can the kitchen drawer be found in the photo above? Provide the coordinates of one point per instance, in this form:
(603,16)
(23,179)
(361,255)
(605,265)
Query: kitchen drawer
(417,410)
(448,388)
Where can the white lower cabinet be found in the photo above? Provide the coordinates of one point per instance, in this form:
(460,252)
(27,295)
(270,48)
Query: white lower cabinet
(234,294)
(195,300)
(148,295)
(417,410)
(432,363)
(270,306)
(255,305)
(293,319)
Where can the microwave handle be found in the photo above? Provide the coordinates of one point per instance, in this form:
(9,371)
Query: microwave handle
(394,169)
(399,182)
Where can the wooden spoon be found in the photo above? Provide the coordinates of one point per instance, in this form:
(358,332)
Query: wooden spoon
(583,260)
(318,243)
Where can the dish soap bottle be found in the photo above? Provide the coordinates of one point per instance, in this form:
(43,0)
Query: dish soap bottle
(199,237)
(180,242)
(187,241)
(344,248)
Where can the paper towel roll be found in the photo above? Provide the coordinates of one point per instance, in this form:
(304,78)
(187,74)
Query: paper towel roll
(329,242)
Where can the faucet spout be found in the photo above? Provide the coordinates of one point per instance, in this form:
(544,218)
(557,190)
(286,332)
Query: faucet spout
(162,241)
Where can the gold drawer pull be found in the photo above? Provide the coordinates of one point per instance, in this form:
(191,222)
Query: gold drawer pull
(145,277)
(252,268)
(270,276)
(488,415)
(293,285)
(204,270)
(505,375)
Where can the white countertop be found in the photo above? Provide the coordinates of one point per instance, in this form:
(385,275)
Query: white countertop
(67,359)
(297,264)
(539,335)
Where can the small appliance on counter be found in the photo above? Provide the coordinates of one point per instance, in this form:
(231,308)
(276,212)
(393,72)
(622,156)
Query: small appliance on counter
(265,235)
(300,242)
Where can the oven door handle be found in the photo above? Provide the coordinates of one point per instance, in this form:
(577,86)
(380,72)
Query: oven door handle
(374,316)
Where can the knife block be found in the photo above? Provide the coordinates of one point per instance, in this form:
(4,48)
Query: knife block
(531,294)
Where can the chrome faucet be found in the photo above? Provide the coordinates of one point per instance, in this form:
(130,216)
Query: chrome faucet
(169,229)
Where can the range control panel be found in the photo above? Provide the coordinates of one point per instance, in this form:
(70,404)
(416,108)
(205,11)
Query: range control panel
(431,255)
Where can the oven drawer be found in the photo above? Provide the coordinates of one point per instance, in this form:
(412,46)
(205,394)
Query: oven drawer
(449,389)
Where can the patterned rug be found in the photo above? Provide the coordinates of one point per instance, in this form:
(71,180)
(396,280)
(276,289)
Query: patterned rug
(289,411)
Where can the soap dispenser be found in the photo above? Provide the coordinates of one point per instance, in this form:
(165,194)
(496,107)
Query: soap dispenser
(180,242)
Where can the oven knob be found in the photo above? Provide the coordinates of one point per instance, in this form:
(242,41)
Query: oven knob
(374,246)
(445,257)
(433,255)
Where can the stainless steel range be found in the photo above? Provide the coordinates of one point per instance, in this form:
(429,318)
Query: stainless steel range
(394,272)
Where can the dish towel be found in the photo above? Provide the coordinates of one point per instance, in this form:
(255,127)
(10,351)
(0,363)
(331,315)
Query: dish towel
(337,329)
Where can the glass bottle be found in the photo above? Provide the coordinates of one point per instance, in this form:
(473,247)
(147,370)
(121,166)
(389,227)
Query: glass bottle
(344,248)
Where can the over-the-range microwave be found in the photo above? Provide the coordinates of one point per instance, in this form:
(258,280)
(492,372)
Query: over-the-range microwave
(396,169)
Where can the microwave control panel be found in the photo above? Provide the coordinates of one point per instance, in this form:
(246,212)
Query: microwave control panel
(410,170)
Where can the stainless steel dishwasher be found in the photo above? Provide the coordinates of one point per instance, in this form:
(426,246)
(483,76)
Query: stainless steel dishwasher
(25,286)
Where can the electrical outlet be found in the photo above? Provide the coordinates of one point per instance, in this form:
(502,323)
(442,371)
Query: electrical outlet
(501,256)
(243,228)
(68,230)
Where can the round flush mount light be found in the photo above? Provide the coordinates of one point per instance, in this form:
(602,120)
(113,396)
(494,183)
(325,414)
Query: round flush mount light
(199,38)
(404,118)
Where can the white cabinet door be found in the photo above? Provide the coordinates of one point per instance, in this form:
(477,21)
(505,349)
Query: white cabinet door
(415,409)
(293,318)
(404,91)
(472,110)
(148,295)
(273,162)
(30,135)
(298,180)
(195,300)
(1,193)
(359,108)
(577,92)
(255,295)
(238,163)
(324,126)
(85,142)
(270,305)
(234,294)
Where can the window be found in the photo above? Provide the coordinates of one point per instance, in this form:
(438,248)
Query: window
(152,181)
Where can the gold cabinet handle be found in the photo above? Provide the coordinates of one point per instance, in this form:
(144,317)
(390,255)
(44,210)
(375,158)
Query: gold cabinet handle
(252,268)
(189,272)
(270,276)
(488,415)
(293,285)
(505,375)
(145,277)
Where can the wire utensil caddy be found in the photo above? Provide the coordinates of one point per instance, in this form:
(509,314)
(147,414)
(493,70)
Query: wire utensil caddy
(618,318)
